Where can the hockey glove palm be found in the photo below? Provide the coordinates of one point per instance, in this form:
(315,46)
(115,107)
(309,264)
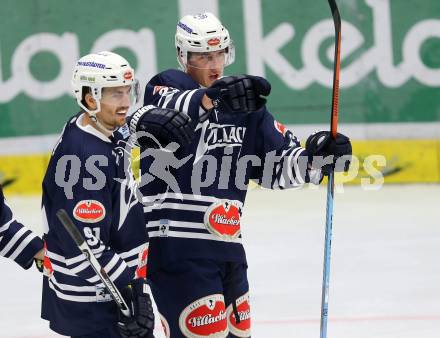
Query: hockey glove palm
(324,151)
(240,94)
(141,322)
(161,124)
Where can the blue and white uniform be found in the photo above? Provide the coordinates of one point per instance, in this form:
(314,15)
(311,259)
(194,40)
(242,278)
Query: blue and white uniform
(16,241)
(195,239)
(90,177)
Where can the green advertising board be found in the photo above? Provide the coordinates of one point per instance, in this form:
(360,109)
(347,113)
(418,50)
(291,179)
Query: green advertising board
(390,55)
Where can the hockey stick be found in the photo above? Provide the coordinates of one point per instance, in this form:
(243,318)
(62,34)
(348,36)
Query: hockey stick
(331,179)
(82,245)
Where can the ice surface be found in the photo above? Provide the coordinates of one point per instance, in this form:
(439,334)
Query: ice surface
(385,273)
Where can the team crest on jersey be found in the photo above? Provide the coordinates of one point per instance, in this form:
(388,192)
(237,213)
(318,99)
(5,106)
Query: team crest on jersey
(242,329)
(206,317)
(89,211)
(280,127)
(223,219)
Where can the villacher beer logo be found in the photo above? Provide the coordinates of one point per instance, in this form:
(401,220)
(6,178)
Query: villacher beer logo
(206,317)
(223,219)
(89,211)
(242,329)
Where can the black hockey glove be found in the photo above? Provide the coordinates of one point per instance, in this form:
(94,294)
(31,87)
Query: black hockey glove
(141,322)
(321,144)
(240,94)
(165,125)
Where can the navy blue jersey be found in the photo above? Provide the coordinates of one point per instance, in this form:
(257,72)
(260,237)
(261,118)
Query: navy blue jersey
(90,177)
(16,241)
(202,218)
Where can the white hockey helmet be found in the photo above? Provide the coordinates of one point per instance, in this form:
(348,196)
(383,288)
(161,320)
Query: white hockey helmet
(101,70)
(202,33)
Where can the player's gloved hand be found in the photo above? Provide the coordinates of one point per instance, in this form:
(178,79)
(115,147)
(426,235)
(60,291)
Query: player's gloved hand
(165,125)
(240,94)
(321,144)
(39,264)
(141,322)
(39,258)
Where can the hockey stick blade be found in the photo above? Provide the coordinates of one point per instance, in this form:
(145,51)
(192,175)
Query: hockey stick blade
(73,231)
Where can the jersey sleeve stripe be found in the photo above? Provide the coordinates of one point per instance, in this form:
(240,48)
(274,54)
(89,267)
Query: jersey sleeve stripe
(132,252)
(13,240)
(188,100)
(22,245)
(5,226)
(177,106)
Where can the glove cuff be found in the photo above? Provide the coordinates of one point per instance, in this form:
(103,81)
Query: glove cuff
(137,116)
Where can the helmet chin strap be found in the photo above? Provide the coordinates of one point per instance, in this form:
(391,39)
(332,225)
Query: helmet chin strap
(106,131)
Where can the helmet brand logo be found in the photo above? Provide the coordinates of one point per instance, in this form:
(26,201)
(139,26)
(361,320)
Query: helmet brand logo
(184,27)
(91,64)
(128,75)
(213,41)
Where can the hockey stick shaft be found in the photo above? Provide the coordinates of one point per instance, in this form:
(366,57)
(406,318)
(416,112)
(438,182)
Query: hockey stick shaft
(85,249)
(331,181)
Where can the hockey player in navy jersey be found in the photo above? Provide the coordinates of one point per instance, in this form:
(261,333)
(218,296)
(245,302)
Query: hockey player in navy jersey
(197,263)
(89,175)
(16,241)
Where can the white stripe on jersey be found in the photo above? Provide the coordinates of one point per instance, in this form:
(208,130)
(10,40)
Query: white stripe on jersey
(22,245)
(292,167)
(167,100)
(299,179)
(80,267)
(133,262)
(132,252)
(80,299)
(110,265)
(94,280)
(180,206)
(188,100)
(119,271)
(181,234)
(62,270)
(179,100)
(13,240)
(187,197)
(178,224)
(122,266)
(73,288)
(5,226)
(62,259)
(159,102)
